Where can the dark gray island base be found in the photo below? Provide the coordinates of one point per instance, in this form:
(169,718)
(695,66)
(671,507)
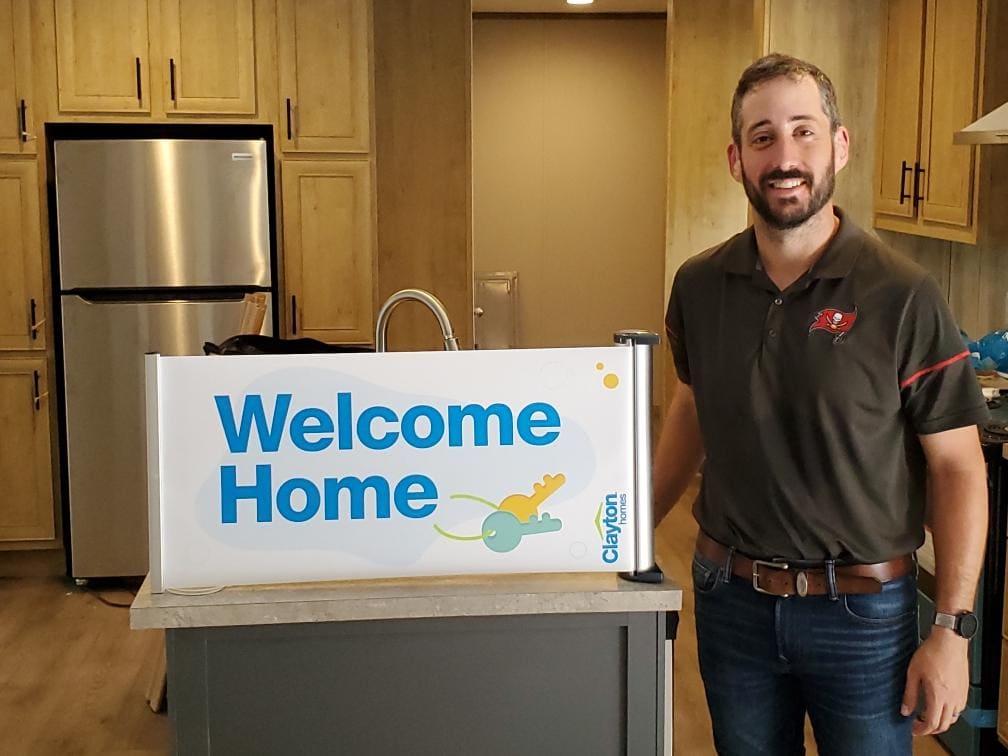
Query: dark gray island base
(517,665)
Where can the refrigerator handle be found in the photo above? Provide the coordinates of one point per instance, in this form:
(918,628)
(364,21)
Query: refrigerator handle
(293,314)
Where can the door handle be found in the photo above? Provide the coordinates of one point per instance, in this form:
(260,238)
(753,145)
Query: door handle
(918,172)
(36,398)
(290,121)
(139,86)
(293,314)
(23,118)
(34,323)
(903,194)
(171,78)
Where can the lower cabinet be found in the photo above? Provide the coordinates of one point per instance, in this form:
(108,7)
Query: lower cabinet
(328,250)
(26,507)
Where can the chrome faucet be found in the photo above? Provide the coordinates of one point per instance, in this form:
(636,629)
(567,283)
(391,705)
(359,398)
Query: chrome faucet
(417,295)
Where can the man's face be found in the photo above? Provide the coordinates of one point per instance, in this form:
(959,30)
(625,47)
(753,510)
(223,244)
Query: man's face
(787,160)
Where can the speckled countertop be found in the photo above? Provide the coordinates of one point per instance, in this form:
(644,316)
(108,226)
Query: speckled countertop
(408,598)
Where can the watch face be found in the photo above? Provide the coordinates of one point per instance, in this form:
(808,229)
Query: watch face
(967,625)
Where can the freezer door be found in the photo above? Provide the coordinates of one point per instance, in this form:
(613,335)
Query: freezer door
(141,213)
(103,358)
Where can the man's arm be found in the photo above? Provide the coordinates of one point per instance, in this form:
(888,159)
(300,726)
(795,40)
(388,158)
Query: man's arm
(957,492)
(679,452)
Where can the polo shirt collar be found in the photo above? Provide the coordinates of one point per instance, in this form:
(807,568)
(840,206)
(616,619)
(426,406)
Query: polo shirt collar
(836,261)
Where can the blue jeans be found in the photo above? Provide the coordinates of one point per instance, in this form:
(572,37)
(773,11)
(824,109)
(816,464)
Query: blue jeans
(766,661)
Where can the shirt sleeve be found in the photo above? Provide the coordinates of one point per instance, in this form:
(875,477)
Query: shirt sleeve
(675,331)
(938,386)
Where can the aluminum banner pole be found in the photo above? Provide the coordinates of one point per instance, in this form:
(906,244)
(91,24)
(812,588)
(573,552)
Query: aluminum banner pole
(645,568)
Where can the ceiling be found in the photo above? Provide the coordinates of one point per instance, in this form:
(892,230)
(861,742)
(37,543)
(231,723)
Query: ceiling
(560,6)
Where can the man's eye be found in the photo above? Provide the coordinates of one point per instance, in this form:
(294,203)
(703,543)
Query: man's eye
(761,139)
(805,132)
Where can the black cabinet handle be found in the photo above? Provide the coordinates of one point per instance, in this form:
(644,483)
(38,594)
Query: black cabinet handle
(23,117)
(293,314)
(139,86)
(33,327)
(171,77)
(918,172)
(903,194)
(36,397)
(290,124)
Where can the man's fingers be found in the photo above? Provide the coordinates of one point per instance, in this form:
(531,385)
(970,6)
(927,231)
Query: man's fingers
(910,694)
(930,716)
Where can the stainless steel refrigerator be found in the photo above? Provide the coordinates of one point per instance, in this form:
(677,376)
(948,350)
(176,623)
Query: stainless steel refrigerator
(158,241)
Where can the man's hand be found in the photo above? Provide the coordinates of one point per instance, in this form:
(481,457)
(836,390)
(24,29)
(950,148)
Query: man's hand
(939,674)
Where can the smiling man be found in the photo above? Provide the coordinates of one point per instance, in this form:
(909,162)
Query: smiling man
(825,388)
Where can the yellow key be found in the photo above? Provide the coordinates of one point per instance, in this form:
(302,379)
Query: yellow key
(523,507)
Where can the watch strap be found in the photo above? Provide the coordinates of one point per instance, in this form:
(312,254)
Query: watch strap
(950,621)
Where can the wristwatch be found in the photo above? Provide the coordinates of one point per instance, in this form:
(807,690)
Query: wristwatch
(964,624)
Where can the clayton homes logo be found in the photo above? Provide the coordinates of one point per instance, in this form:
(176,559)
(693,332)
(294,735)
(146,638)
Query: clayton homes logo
(253,429)
(609,520)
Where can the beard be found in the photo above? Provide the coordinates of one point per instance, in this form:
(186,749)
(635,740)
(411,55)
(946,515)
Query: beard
(793,213)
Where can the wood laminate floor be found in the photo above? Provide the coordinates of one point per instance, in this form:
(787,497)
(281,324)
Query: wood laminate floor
(73,676)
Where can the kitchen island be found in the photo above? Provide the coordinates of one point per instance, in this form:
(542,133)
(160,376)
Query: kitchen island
(575,663)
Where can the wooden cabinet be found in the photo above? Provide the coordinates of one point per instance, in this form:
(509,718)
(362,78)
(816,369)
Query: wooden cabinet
(205,56)
(328,249)
(210,51)
(16,102)
(21,299)
(102,58)
(323,61)
(26,507)
(928,89)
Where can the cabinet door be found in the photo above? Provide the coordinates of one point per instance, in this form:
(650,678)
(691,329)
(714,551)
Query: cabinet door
(26,508)
(324,63)
(15,78)
(328,250)
(21,304)
(101,51)
(950,71)
(899,107)
(209,50)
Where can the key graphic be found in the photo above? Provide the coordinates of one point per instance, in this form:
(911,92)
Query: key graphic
(523,507)
(514,518)
(502,531)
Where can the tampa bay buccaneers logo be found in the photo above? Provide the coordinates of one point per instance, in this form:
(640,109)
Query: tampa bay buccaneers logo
(834,321)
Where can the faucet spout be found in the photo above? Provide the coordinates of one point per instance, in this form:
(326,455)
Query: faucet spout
(416,295)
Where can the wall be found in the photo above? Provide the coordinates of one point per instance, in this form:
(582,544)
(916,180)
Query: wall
(569,171)
(422,148)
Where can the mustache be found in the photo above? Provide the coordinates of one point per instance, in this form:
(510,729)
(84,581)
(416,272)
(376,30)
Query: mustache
(781,175)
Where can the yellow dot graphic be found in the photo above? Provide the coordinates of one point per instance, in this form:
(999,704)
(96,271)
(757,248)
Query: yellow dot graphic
(610,381)
(599,366)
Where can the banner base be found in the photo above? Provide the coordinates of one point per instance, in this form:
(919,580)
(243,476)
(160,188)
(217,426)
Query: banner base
(650,575)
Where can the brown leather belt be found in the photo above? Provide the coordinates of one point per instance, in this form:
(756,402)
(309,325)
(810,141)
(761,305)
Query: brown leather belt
(781,579)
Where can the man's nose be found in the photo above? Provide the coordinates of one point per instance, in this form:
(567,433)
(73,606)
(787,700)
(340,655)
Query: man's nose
(786,155)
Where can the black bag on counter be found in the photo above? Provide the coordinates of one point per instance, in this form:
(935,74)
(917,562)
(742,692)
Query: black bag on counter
(253,343)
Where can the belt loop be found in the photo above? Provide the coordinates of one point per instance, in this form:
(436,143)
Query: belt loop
(831,580)
(729,564)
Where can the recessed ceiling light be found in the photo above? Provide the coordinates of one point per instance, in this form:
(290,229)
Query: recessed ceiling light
(580,2)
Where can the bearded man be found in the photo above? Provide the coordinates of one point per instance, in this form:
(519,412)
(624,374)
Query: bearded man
(826,390)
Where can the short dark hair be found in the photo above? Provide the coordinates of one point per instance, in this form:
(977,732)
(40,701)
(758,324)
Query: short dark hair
(774,66)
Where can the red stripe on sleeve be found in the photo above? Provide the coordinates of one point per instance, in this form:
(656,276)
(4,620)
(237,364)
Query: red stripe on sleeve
(941,365)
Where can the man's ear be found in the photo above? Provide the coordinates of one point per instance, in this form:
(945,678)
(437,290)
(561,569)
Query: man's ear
(841,148)
(734,162)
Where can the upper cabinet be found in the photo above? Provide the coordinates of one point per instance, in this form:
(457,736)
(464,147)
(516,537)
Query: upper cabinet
(323,61)
(102,56)
(928,89)
(210,51)
(15,78)
(204,50)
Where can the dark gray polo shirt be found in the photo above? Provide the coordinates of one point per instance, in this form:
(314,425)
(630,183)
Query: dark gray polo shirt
(810,400)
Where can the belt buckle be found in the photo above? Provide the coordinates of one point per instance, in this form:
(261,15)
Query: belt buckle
(755,575)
